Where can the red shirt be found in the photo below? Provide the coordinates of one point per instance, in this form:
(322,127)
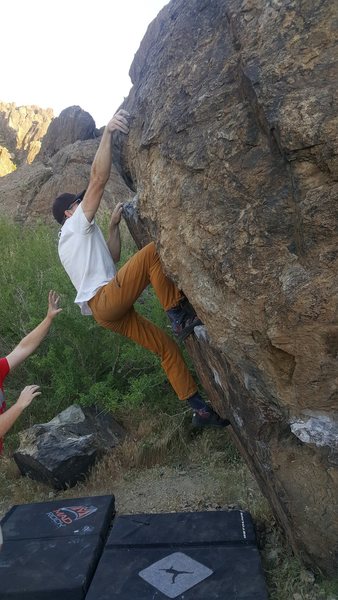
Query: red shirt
(4,370)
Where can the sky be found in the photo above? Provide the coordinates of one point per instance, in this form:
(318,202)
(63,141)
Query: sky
(71,52)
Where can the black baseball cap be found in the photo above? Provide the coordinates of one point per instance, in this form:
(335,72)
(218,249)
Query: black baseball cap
(63,202)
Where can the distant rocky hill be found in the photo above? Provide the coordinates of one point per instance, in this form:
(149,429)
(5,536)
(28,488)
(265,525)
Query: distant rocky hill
(61,163)
(21,131)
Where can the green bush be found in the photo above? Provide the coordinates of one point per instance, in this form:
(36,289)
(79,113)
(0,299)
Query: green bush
(79,361)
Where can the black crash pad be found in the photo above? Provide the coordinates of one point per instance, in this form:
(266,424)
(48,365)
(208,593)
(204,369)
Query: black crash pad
(51,549)
(48,569)
(183,528)
(196,556)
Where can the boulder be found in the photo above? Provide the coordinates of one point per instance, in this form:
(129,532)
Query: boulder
(232,159)
(71,125)
(61,452)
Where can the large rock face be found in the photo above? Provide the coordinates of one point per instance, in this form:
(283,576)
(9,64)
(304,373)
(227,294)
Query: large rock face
(233,155)
(62,165)
(21,131)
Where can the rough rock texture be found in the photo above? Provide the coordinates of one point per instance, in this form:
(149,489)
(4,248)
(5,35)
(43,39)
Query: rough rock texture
(21,131)
(63,165)
(233,155)
(62,451)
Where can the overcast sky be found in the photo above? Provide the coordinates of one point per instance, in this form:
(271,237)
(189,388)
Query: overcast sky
(71,52)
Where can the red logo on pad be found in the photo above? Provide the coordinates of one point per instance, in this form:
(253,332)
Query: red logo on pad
(66,515)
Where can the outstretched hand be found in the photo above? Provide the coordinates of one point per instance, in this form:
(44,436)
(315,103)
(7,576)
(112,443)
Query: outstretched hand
(27,395)
(119,122)
(53,304)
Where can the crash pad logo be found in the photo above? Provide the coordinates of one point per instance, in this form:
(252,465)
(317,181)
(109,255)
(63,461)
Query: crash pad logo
(175,574)
(61,517)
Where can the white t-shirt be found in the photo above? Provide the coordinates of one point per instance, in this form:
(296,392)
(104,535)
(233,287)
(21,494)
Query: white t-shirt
(85,256)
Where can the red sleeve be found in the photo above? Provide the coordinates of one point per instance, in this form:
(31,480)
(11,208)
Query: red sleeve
(4,370)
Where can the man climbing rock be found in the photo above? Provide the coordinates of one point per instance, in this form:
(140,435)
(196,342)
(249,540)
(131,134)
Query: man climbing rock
(108,294)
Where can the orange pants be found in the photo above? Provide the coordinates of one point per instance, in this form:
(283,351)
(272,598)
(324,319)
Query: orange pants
(112,308)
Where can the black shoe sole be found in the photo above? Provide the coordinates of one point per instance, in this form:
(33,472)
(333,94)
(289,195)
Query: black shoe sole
(188,330)
(218,424)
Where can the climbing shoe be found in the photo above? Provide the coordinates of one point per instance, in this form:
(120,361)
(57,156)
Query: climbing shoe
(208,418)
(183,319)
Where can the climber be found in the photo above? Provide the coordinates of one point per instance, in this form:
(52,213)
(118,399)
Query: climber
(109,295)
(24,349)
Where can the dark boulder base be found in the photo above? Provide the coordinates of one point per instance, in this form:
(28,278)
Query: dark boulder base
(60,453)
